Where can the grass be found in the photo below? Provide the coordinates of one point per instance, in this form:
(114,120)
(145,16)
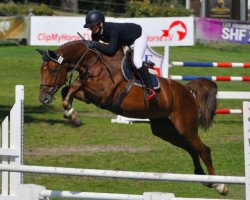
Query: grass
(50,141)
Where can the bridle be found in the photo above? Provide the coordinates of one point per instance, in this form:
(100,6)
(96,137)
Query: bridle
(83,75)
(54,86)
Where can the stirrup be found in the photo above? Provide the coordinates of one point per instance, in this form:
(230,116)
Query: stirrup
(150,94)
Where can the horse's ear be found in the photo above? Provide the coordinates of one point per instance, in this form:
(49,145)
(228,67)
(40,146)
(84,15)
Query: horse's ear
(52,54)
(40,51)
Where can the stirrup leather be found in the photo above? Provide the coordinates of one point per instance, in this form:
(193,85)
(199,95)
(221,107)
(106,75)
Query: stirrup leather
(150,94)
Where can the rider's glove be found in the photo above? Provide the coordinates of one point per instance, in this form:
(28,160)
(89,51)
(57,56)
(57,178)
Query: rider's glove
(90,44)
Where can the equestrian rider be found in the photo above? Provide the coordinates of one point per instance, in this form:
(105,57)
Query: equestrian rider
(117,35)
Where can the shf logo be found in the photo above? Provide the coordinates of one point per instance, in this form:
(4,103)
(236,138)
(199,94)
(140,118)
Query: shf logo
(176,32)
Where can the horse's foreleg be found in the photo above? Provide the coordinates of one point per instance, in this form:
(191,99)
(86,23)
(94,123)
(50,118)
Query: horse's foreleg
(68,95)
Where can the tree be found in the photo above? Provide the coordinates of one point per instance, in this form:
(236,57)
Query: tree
(70,5)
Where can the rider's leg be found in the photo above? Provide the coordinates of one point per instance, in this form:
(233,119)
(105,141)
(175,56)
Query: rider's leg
(140,45)
(143,71)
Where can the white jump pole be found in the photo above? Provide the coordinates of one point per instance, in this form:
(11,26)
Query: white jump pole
(246,120)
(88,195)
(125,174)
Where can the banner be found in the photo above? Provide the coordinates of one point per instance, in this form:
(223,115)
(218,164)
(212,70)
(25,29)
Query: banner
(54,31)
(13,28)
(220,30)
(173,31)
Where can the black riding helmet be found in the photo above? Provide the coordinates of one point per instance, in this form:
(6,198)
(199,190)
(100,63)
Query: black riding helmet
(93,18)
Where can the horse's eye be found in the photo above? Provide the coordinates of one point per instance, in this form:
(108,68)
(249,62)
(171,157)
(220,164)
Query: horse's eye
(53,71)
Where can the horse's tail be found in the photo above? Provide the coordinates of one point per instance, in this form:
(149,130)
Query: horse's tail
(205,92)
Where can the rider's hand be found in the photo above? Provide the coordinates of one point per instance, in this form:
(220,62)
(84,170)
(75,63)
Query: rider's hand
(90,44)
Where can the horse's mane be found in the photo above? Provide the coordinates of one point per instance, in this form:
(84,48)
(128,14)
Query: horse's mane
(69,43)
(65,45)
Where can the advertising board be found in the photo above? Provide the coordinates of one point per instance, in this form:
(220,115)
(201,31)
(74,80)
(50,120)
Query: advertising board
(54,31)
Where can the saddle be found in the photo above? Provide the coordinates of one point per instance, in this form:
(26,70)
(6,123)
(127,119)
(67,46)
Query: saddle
(131,75)
(128,70)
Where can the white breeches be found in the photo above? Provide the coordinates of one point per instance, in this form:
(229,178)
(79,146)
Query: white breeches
(140,45)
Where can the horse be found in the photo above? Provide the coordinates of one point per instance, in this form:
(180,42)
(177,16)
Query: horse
(174,116)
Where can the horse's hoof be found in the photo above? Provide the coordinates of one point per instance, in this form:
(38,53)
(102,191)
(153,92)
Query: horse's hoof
(221,188)
(75,119)
(72,117)
(76,122)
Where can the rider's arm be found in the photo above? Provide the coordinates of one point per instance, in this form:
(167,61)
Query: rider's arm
(95,37)
(111,48)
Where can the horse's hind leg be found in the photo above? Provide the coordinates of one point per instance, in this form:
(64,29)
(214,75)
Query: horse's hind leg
(166,130)
(205,154)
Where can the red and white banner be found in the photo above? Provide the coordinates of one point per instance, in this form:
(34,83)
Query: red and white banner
(54,31)
(173,31)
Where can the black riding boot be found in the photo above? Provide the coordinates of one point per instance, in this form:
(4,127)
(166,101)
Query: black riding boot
(143,72)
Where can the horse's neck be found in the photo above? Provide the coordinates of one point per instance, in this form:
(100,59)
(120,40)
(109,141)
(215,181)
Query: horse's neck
(118,56)
(78,57)
(72,51)
(108,76)
(113,63)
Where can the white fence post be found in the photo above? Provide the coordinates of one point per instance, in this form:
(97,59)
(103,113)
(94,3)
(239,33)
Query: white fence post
(246,119)
(16,137)
(5,159)
(12,145)
(30,192)
(165,64)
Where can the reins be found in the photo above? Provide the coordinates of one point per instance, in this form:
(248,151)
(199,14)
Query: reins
(69,78)
(87,74)
(98,57)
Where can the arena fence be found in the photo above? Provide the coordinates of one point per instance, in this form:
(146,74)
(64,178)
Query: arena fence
(12,168)
(210,64)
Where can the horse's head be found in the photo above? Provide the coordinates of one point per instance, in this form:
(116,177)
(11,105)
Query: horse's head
(53,74)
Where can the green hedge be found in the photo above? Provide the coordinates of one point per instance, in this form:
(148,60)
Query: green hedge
(134,9)
(147,9)
(10,9)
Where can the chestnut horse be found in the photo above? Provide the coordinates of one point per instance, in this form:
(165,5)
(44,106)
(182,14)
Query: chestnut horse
(174,116)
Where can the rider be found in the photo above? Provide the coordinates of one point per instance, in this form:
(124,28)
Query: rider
(118,35)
